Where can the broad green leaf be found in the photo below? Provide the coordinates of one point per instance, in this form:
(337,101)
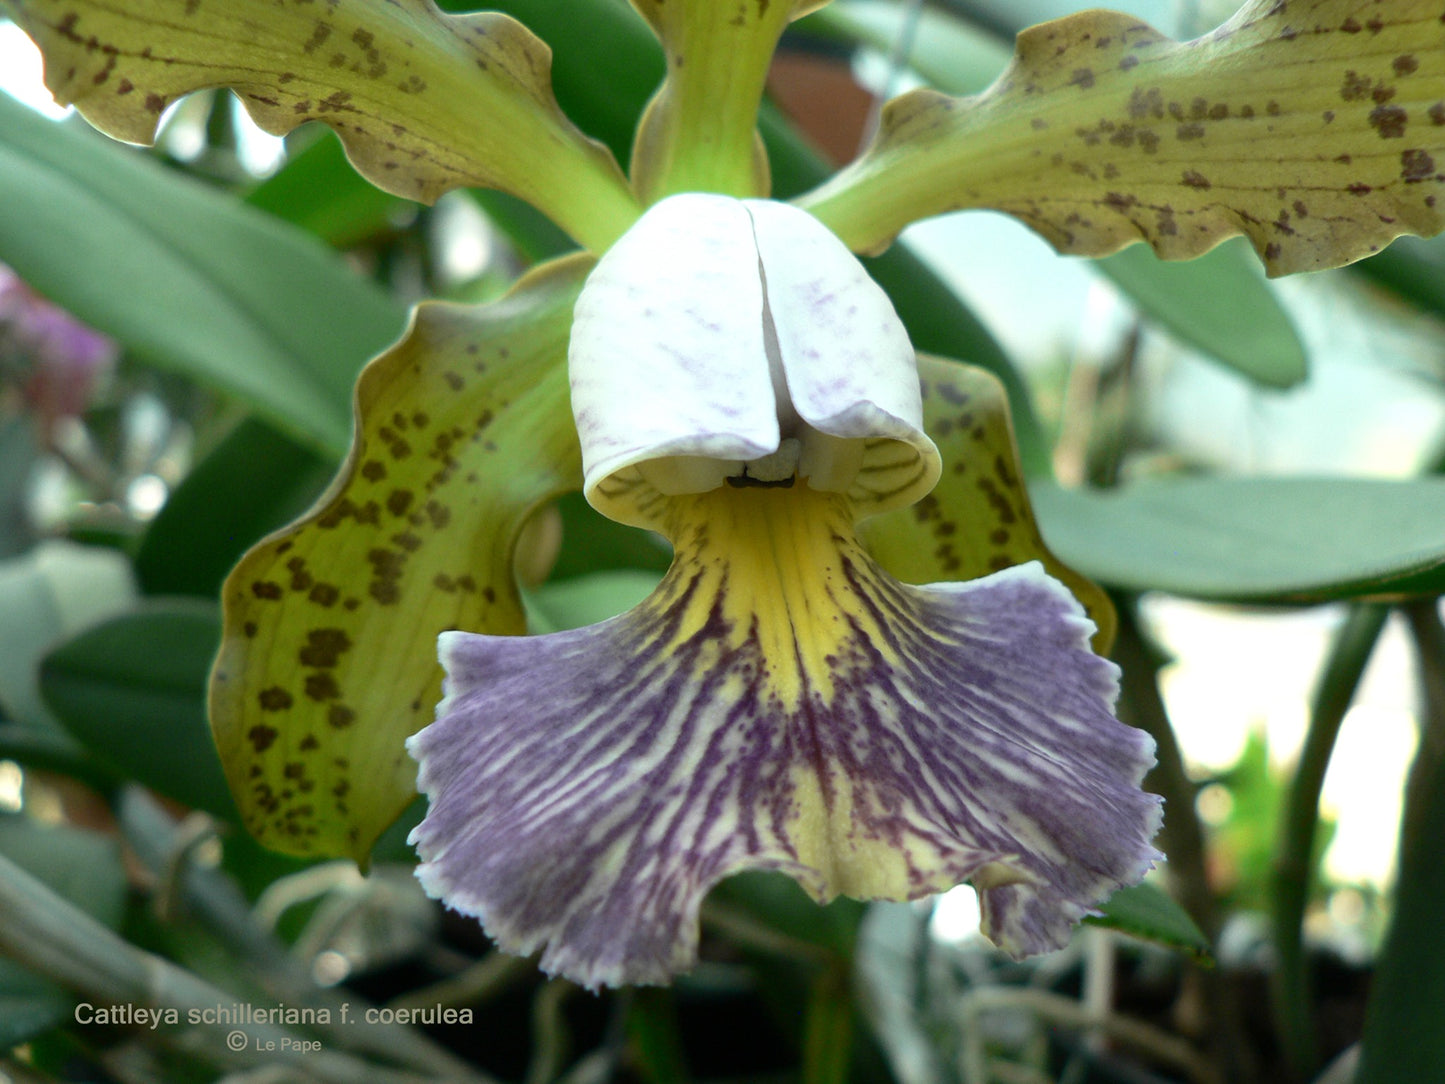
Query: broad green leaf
(132,690)
(1414,269)
(1312,128)
(187,278)
(328,661)
(1218,304)
(29,1006)
(698,133)
(1146,911)
(49,594)
(1254,539)
(603,99)
(254,482)
(424,102)
(80,865)
(588,600)
(85,868)
(591,542)
(1403,1038)
(977,520)
(318,190)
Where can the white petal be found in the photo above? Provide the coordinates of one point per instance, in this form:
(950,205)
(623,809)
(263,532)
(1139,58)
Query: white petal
(717,330)
(667,355)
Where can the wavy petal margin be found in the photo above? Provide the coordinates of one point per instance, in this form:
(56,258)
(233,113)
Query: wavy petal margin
(699,131)
(1314,127)
(424,102)
(780,703)
(978,518)
(328,659)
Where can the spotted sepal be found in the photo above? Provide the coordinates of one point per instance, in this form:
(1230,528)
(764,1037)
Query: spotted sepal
(424,102)
(328,660)
(1316,128)
(780,703)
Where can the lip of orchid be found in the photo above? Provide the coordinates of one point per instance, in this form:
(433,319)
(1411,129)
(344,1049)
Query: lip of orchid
(738,342)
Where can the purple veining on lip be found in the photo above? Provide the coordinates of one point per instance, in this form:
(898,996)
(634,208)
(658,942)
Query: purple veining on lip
(588,787)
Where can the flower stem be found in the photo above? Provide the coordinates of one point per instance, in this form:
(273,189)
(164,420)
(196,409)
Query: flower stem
(1349,654)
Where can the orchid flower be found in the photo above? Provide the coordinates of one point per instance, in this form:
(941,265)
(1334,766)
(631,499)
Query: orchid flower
(780,702)
(718,368)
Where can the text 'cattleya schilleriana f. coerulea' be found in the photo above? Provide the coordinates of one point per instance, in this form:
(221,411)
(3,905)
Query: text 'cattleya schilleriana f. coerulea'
(779,702)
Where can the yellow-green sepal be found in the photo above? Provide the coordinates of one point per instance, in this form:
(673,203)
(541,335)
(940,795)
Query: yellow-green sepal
(699,131)
(1316,130)
(423,101)
(328,660)
(978,519)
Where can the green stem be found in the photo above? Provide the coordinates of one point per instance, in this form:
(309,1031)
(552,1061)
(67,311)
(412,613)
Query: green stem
(1426,630)
(1349,654)
(1182,837)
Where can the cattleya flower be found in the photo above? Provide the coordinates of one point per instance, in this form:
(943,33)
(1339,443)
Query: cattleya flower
(786,699)
(780,701)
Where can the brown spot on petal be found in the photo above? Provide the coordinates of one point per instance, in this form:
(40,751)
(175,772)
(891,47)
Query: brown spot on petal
(261,737)
(274,699)
(1416,165)
(324,647)
(322,687)
(1389,121)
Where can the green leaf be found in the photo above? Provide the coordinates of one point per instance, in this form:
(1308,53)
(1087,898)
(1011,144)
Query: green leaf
(591,542)
(75,863)
(254,482)
(52,592)
(82,866)
(588,600)
(603,99)
(1414,269)
(1403,1039)
(424,102)
(320,191)
(133,691)
(1219,304)
(29,1006)
(1254,539)
(1312,129)
(1146,911)
(187,278)
(328,661)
